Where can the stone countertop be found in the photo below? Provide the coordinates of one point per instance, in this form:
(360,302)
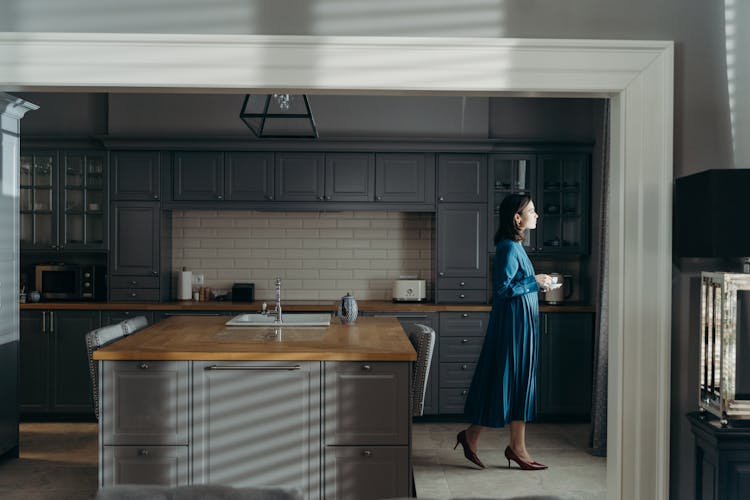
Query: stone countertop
(291,305)
(208,338)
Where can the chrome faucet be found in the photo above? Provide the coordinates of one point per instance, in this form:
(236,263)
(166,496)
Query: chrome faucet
(277,311)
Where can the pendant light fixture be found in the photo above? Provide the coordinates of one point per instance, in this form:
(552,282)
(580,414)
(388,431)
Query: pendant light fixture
(279,116)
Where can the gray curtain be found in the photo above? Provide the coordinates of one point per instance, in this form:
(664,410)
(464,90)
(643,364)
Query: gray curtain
(598,441)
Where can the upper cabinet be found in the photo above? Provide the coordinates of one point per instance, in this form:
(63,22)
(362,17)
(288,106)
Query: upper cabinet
(135,175)
(304,180)
(559,185)
(462,178)
(63,200)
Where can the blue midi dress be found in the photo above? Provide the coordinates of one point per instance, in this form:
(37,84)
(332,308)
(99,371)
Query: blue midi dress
(503,387)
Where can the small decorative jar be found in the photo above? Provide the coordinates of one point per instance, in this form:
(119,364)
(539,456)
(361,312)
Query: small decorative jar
(348,309)
(35,296)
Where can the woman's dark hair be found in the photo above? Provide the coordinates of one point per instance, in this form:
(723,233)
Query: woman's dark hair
(507,228)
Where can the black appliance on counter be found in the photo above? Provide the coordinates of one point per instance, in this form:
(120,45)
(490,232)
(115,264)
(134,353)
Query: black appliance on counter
(243,292)
(71,281)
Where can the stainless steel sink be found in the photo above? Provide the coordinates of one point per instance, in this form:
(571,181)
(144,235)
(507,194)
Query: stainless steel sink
(288,319)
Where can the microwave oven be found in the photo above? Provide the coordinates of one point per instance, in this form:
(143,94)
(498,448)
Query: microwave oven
(71,281)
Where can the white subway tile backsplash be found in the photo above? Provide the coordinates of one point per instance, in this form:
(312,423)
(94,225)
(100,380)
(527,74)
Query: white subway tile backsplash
(319,255)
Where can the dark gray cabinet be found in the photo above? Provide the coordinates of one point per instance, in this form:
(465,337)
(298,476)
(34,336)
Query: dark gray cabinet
(249,176)
(300,177)
(144,422)
(135,175)
(366,429)
(349,177)
(54,373)
(63,200)
(564,377)
(558,182)
(198,176)
(461,258)
(134,258)
(462,178)
(257,423)
(405,177)
(461,338)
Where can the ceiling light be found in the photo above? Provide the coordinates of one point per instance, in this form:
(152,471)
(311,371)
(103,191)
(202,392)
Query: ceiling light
(279,116)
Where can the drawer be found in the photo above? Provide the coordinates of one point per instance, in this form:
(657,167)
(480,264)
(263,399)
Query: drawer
(157,465)
(466,324)
(456,374)
(134,295)
(460,349)
(444,296)
(452,399)
(462,283)
(134,282)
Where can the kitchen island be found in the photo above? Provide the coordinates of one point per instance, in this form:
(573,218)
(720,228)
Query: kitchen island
(321,409)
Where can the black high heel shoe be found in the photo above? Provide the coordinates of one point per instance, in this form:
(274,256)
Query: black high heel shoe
(470,455)
(523,464)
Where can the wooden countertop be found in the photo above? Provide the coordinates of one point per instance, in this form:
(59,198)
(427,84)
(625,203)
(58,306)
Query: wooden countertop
(290,305)
(207,338)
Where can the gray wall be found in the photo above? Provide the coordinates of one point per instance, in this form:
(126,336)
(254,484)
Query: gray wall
(703,123)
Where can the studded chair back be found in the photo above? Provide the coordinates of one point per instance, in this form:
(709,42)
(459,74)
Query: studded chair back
(422,337)
(100,337)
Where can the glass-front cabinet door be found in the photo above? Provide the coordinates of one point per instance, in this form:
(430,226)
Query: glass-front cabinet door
(511,174)
(563,207)
(38,221)
(83,200)
(63,200)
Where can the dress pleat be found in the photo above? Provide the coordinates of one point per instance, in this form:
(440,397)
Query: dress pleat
(503,388)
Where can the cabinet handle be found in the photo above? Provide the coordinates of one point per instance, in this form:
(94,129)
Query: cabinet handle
(464,341)
(220,197)
(328,198)
(465,315)
(366,368)
(378,198)
(464,392)
(367,453)
(269,197)
(51,322)
(441,273)
(440,198)
(320,198)
(464,367)
(461,283)
(546,325)
(156,196)
(44,321)
(143,452)
(133,282)
(235,367)
(133,294)
(143,365)
(155,273)
(461,296)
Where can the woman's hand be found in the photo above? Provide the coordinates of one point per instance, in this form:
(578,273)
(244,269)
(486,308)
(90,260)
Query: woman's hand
(543,280)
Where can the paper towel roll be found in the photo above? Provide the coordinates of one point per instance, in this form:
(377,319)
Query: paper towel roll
(185,285)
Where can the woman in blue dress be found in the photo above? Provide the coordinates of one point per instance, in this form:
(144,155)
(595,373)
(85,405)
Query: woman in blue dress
(502,390)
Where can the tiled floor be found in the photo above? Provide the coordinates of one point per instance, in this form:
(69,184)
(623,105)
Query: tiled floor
(441,472)
(59,461)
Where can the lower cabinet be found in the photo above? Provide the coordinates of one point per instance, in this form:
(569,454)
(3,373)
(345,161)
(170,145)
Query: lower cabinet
(144,422)
(366,430)
(564,378)
(334,430)
(54,370)
(257,423)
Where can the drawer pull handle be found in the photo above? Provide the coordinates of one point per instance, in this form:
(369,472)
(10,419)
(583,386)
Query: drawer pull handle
(143,366)
(464,392)
(465,315)
(461,296)
(143,452)
(133,294)
(133,282)
(462,283)
(367,453)
(366,368)
(464,341)
(464,367)
(235,367)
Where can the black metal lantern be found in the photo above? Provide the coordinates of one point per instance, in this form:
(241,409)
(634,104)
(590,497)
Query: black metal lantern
(279,116)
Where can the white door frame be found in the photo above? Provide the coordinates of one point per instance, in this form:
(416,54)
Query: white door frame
(636,75)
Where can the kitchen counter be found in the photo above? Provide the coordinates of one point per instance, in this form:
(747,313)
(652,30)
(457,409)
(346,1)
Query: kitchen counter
(207,338)
(291,306)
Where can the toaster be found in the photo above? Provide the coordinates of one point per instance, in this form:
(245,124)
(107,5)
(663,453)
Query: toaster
(409,291)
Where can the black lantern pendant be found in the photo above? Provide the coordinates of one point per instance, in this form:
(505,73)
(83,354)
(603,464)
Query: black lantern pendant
(279,116)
